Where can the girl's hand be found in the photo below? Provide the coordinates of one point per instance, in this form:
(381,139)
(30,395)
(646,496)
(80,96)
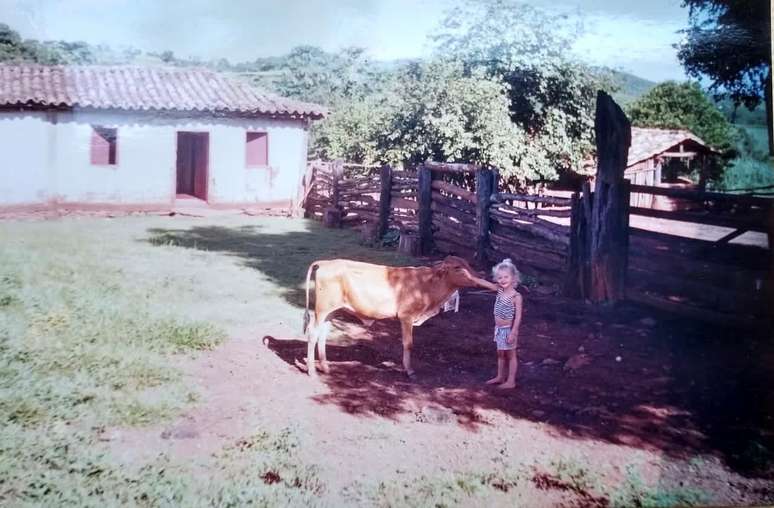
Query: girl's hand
(511,339)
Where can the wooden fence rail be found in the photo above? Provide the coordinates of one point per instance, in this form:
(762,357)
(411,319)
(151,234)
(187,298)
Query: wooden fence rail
(538,231)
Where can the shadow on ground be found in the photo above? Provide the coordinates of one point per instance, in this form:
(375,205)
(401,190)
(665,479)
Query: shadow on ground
(651,382)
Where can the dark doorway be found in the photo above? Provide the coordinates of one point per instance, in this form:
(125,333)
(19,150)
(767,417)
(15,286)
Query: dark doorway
(193,150)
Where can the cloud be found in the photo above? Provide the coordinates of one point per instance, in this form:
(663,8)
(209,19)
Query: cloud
(632,44)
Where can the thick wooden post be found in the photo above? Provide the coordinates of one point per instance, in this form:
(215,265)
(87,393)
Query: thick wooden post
(425,197)
(338,173)
(484,188)
(332,214)
(609,226)
(385,199)
(573,284)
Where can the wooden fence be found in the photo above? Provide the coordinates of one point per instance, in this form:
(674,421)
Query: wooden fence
(708,279)
(434,203)
(456,209)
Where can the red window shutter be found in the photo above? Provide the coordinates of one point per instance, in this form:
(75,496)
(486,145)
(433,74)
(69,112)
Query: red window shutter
(103,145)
(257,149)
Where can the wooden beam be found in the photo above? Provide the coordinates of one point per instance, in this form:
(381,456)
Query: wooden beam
(682,155)
(485,186)
(385,200)
(451,167)
(703,196)
(548,200)
(425,197)
(454,190)
(707,218)
(404,203)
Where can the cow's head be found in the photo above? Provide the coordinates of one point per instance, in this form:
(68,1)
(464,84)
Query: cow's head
(457,272)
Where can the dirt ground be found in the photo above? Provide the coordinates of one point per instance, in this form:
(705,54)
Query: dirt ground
(622,400)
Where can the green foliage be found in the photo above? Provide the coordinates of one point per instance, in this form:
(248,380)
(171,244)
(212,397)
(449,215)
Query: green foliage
(14,49)
(437,113)
(634,492)
(673,105)
(551,98)
(729,41)
(746,173)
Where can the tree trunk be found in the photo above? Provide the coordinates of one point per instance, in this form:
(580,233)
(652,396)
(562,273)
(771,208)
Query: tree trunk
(609,226)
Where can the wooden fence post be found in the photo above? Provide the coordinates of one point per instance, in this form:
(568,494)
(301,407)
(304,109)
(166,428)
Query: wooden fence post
(609,226)
(333,214)
(425,197)
(484,188)
(385,199)
(574,286)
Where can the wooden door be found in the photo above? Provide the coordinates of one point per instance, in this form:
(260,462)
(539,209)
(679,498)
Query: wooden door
(193,150)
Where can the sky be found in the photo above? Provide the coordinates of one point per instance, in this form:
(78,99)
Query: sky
(634,36)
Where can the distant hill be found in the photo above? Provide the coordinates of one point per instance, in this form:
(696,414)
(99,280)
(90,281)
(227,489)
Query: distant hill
(631,87)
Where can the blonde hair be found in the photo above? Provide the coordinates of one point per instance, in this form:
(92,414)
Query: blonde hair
(507,264)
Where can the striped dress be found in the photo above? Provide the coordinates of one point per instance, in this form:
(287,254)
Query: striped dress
(504,308)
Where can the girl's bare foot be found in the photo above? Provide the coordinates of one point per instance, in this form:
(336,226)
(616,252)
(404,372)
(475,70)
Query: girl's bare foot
(495,381)
(505,386)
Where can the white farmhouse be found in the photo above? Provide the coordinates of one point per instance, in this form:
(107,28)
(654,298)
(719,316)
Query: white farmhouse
(146,138)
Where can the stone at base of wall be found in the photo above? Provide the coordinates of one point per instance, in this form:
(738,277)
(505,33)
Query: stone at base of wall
(54,209)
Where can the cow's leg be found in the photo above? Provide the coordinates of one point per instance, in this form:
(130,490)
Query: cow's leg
(407,328)
(312,332)
(324,330)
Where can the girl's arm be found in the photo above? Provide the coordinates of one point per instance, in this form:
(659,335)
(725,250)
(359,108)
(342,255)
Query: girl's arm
(514,335)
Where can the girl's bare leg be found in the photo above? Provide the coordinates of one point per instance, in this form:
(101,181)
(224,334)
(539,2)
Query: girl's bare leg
(513,365)
(500,377)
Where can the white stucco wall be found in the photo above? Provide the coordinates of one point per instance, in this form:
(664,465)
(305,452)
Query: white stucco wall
(46,156)
(25,156)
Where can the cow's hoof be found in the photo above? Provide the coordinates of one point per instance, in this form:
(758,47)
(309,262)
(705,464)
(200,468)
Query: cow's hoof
(302,366)
(325,368)
(411,374)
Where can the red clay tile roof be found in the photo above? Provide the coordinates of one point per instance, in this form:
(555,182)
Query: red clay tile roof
(649,142)
(141,89)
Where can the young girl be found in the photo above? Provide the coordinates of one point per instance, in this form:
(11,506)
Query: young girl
(507,314)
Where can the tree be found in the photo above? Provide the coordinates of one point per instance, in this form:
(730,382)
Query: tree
(729,41)
(672,105)
(437,113)
(14,49)
(551,99)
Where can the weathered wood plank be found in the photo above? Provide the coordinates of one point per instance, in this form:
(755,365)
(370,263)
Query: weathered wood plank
(425,197)
(548,200)
(697,195)
(452,167)
(454,190)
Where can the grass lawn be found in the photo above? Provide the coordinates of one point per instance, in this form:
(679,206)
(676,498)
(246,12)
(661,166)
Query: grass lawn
(91,313)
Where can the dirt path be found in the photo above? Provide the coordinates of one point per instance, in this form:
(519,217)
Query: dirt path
(649,401)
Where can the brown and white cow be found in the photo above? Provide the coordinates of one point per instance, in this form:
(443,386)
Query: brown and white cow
(411,294)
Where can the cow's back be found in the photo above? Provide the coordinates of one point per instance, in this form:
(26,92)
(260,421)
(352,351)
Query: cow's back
(369,290)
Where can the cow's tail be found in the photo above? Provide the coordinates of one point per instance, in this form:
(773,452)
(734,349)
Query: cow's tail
(307,316)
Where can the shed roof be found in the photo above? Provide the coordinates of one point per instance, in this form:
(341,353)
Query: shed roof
(649,142)
(141,89)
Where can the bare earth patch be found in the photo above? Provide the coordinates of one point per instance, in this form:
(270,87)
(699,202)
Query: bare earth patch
(654,408)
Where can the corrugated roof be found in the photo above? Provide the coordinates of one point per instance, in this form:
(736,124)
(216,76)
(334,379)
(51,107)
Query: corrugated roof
(141,89)
(649,142)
